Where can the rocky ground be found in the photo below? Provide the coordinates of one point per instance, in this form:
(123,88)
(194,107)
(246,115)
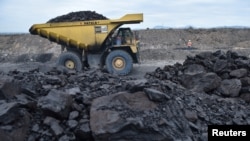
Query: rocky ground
(174,94)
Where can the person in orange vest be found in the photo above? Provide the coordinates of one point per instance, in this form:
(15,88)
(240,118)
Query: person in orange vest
(189,44)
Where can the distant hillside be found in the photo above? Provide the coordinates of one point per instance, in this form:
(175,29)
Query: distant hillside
(170,44)
(215,38)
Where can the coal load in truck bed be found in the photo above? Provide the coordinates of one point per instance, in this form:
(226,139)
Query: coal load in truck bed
(78,16)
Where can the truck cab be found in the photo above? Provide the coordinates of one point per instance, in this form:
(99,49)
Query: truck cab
(124,36)
(123,52)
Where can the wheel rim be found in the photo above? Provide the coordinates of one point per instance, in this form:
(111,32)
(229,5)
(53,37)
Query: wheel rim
(119,63)
(70,64)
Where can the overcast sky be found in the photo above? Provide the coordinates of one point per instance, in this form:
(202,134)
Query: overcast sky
(20,15)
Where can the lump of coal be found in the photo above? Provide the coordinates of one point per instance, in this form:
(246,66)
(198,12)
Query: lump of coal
(56,102)
(78,16)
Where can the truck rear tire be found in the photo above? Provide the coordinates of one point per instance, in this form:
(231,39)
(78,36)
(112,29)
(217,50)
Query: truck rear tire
(70,60)
(119,62)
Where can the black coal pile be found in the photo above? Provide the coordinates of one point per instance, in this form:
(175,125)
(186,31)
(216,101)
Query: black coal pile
(52,103)
(225,74)
(78,16)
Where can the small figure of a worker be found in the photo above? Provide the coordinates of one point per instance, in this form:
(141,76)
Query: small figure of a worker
(118,40)
(189,44)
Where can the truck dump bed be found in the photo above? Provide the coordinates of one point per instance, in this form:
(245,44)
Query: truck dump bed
(87,35)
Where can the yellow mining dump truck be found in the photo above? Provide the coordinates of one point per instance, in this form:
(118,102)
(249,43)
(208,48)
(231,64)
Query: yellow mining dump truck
(94,43)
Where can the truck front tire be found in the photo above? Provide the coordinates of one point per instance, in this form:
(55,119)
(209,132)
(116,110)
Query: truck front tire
(119,62)
(70,60)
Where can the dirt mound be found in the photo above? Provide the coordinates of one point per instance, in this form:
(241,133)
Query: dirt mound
(78,16)
(27,48)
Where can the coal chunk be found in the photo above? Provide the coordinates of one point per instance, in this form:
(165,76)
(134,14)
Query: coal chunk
(56,103)
(155,95)
(8,87)
(78,16)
